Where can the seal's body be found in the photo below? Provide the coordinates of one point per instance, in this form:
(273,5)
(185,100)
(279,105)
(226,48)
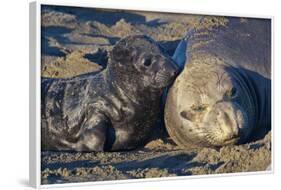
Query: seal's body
(224,91)
(111,110)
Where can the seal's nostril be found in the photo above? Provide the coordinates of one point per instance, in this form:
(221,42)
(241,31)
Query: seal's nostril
(235,135)
(240,132)
(227,119)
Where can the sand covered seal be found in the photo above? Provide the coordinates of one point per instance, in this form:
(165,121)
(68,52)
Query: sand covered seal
(224,92)
(114,109)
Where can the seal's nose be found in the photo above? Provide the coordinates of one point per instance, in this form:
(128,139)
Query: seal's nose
(174,69)
(174,73)
(230,123)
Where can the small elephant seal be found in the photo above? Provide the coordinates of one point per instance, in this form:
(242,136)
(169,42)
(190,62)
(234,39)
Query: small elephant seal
(223,95)
(114,109)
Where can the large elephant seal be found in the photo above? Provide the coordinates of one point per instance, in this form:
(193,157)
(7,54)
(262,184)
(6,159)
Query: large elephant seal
(224,92)
(114,109)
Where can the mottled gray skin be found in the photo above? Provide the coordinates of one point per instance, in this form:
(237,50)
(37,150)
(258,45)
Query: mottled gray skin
(115,109)
(223,95)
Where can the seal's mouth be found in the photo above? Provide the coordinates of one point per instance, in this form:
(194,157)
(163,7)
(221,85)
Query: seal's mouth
(162,78)
(231,141)
(214,138)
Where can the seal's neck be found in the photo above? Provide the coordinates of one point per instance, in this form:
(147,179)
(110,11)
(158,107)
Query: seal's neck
(248,85)
(260,88)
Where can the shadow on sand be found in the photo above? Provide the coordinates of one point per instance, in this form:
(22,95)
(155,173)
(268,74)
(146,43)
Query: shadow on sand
(105,16)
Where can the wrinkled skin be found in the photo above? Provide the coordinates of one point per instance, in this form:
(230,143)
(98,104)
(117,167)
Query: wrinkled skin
(224,92)
(111,110)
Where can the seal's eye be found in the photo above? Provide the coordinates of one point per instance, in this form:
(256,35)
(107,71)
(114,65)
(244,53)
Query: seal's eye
(199,108)
(231,93)
(147,62)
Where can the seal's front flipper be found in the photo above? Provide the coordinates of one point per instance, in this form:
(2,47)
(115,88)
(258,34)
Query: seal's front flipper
(94,134)
(180,55)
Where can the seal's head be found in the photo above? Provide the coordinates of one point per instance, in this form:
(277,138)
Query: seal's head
(138,63)
(209,105)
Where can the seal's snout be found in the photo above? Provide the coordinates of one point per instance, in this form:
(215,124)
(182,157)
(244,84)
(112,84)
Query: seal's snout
(166,73)
(229,121)
(173,71)
(172,68)
(175,68)
(229,126)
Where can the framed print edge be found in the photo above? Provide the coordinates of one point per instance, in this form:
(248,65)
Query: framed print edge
(141,7)
(35,93)
(157,179)
(271,169)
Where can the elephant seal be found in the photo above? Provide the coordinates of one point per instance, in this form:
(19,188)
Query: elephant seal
(223,95)
(114,109)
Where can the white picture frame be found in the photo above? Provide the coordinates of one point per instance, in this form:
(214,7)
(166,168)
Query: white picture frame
(35,94)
